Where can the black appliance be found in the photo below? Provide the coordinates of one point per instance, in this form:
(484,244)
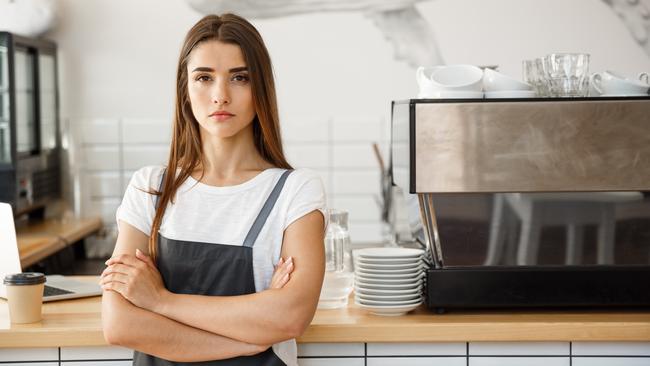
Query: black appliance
(528,202)
(30,169)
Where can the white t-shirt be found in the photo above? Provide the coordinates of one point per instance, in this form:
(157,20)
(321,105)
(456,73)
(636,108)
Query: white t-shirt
(224,215)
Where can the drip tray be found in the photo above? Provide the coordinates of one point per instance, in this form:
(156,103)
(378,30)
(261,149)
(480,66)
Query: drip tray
(537,286)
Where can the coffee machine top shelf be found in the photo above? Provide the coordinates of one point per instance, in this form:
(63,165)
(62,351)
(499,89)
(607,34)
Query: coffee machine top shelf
(521,145)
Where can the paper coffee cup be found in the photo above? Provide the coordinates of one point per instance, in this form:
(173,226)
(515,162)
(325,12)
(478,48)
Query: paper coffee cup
(25,296)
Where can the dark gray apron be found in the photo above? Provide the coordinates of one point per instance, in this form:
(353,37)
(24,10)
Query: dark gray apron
(197,268)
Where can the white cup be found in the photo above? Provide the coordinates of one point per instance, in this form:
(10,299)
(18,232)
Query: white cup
(644,77)
(457,78)
(423,76)
(495,81)
(612,83)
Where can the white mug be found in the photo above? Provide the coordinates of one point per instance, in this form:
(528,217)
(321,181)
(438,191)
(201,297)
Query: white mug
(644,77)
(458,78)
(612,83)
(423,76)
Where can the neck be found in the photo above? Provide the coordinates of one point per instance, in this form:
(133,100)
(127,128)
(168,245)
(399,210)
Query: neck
(228,158)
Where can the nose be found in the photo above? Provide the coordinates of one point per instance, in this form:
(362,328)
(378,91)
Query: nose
(220,93)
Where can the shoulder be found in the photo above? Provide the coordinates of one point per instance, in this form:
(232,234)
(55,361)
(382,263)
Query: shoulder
(147,177)
(304,177)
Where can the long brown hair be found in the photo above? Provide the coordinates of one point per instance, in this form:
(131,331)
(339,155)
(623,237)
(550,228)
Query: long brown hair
(186,154)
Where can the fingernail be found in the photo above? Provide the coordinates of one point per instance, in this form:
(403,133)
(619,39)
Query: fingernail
(290,259)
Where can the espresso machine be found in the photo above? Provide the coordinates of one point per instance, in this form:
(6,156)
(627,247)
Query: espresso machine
(528,202)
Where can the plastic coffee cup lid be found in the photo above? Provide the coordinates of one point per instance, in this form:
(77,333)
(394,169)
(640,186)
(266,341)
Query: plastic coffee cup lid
(24,279)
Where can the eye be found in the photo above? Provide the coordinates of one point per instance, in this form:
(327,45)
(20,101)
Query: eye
(240,78)
(203,78)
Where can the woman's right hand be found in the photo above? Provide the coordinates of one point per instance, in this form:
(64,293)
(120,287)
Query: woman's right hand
(281,273)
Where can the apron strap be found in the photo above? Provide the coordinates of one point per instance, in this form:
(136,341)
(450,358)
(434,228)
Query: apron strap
(160,188)
(266,210)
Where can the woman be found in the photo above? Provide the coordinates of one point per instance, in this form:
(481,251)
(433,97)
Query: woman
(192,277)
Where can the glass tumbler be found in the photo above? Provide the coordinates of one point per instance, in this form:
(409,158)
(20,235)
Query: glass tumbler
(567,74)
(533,76)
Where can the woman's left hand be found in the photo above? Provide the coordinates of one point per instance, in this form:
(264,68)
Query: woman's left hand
(136,278)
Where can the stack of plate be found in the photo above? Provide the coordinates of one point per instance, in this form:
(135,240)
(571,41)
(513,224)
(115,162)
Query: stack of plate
(388,281)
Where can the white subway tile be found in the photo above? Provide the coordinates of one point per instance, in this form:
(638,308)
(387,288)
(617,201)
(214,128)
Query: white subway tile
(300,131)
(519,348)
(308,156)
(97,363)
(95,353)
(101,158)
(611,349)
(354,156)
(54,363)
(104,184)
(104,208)
(136,157)
(331,361)
(417,361)
(98,131)
(365,232)
(519,361)
(29,354)
(417,349)
(344,130)
(138,131)
(330,349)
(360,207)
(356,181)
(610,361)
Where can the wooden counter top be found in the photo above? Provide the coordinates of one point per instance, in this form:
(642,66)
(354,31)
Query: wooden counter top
(40,239)
(78,323)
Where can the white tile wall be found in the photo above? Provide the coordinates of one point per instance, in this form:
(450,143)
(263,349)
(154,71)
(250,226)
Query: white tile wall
(29,354)
(104,184)
(519,348)
(143,131)
(610,361)
(331,361)
(101,158)
(611,349)
(97,363)
(519,361)
(330,349)
(98,131)
(417,349)
(359,155)
(311,156)
(417,361)
(95,353)
(110,150)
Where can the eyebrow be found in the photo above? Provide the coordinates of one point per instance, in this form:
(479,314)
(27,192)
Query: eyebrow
(209,69)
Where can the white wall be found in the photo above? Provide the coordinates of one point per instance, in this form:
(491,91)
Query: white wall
(335,75)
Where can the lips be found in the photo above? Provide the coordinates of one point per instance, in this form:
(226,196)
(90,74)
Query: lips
(221,115)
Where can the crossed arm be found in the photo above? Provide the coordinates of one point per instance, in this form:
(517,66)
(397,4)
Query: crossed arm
(212,327)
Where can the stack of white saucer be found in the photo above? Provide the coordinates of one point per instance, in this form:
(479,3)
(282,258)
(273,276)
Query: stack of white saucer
(499,86)
(388,281)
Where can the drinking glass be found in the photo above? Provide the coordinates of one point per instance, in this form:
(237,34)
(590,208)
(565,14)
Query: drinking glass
(533,76)
(567,74)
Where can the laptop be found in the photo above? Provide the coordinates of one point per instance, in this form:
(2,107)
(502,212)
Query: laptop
(57,287)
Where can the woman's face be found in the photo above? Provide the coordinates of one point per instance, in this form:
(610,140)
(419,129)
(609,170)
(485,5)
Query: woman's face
(219,89)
